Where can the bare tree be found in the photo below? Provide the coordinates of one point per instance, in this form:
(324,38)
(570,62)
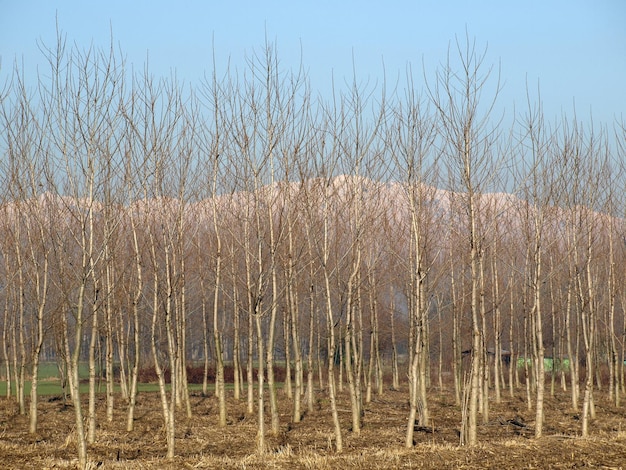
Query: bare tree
(27,170)
(155,125)
(215,153)
(80,111)
(318,202)
(467,136)
(411,142)
(538,194)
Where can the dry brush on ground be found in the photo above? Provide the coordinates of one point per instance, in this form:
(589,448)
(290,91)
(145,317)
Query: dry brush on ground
(506,441)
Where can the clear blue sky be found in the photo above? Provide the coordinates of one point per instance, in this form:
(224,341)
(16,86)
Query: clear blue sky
(575,49)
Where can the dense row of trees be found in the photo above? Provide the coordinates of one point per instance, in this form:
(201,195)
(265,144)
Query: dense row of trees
(150,224)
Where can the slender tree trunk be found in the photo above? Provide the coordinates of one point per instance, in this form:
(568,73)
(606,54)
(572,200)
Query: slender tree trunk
(181,328)
(250,365)
(74,381)
(252,311)
(540,354)
(220,388)
(219,354)
(168,417)
(309,370)
(288,386)
(172,350)
(484,356)
(350,352)
(41,293)
(33,418)
(261,446)
(5,348)
(20,357)
(237,376)
(331,362)
(457,364)
(167,404)
(297,351)
(589,332)
(614,359)
(570,347)
(110,377)
(320,372)
(91,431)
(513,369)
(132,402)
(440,358)
(122,334)
(341,353)
(497,366)
(380,379)
(205,340)
(271,383)
(471,436)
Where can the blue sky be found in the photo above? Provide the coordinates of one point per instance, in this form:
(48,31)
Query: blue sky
(575,49)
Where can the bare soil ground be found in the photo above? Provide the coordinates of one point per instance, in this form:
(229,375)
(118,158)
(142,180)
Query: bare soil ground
(506,441)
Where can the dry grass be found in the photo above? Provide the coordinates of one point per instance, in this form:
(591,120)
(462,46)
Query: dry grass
(309,444)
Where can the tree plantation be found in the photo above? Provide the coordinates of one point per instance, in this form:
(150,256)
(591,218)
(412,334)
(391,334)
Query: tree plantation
(306,254)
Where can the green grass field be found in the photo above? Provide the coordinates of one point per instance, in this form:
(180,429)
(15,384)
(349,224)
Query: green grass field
(50,384)
(52,387)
